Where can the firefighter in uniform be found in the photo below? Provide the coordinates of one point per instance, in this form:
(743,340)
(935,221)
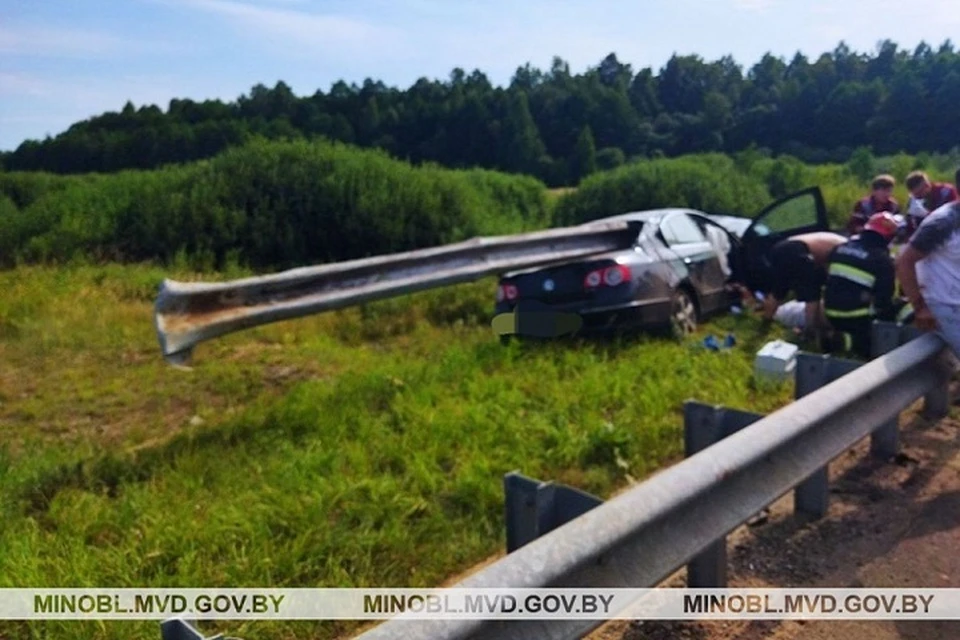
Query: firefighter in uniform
(860,285)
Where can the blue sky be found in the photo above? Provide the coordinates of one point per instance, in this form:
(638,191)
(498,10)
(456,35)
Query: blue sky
(65,60)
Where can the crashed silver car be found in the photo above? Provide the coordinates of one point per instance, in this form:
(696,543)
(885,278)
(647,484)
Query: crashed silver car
(677,272)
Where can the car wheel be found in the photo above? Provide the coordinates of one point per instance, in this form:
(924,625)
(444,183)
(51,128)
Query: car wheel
(683,314)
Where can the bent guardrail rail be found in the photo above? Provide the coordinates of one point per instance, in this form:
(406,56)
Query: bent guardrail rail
(187,313)
(639,538)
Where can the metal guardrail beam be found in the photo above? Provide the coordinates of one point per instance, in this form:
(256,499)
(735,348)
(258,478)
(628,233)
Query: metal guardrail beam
(187,313)
(640,537)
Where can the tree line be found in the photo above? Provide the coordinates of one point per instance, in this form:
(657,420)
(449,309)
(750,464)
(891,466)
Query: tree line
(556,125)
(279,204)
(265,205)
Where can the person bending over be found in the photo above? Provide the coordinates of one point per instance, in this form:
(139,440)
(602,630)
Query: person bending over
(798,264)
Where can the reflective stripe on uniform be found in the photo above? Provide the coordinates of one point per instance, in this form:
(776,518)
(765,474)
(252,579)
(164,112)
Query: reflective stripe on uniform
(904,312)
(855,313)
(853,274)
(847,341)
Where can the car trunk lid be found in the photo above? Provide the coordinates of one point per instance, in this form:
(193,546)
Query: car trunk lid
(559,284)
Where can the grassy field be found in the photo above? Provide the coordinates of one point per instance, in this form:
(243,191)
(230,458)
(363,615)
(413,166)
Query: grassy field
(356,448)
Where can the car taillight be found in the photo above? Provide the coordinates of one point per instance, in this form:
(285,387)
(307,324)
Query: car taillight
(615,275)
(610,276)
(506,292)
(593,279)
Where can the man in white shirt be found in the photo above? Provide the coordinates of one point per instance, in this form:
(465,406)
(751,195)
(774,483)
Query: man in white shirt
(929,273)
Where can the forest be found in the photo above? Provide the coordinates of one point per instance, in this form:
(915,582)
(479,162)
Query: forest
(556,125)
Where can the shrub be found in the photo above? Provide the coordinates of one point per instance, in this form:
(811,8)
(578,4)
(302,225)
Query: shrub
(710,183)
(268,205)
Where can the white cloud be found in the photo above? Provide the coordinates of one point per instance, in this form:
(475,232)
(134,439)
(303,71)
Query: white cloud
(940,12)
(301,31)
(753,5)
(19,84)
(44,41)
(52,41)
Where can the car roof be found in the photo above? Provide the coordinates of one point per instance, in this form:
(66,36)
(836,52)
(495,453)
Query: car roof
(737,224)
(734,224)
(650,215)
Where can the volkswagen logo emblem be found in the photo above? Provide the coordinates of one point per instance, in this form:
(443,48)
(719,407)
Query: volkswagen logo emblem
(548,285)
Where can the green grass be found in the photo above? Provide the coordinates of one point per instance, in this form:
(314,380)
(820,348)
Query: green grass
(357,448)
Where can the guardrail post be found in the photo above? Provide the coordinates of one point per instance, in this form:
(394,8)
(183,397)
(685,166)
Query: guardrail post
(885,441)
(936,403)
(520,502)
(886,337)
(812,496)
(703,426)
(534,508)
(177,629)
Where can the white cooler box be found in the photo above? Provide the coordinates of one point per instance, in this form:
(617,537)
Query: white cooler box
(776,360)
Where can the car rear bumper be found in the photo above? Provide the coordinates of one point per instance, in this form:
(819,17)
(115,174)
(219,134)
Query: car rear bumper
(539,320)
(643,313)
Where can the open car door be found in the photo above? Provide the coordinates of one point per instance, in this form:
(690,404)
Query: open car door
(800,212)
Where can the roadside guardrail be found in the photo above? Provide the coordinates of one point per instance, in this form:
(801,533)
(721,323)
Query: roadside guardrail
(682,514)
(737,464)
(186,313)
